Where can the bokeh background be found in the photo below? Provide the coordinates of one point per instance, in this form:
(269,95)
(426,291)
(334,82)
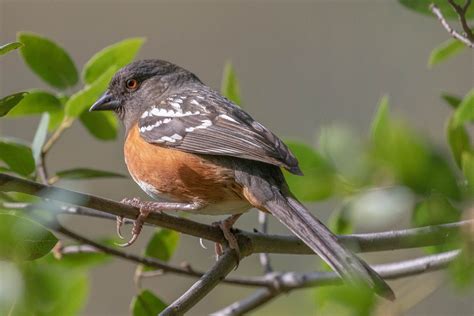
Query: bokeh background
(302,65)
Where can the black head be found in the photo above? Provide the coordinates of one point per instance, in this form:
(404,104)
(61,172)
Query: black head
(136,85)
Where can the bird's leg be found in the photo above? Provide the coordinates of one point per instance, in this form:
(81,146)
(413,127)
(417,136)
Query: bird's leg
(226,227)
(147,207)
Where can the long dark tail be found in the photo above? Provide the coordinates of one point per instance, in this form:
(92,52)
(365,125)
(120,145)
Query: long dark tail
(297,218)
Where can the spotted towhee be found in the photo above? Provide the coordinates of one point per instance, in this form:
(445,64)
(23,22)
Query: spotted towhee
(193,150)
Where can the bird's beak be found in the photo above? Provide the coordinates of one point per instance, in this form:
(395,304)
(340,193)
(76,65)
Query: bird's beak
(106,102)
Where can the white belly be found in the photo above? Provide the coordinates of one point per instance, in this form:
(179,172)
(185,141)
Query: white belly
(222,208)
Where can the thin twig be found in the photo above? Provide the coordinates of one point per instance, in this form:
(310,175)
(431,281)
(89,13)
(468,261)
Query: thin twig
(437,12)
(150,262)
(264,257)
(41,169)
(292,280)
(224,265)
(461,11)
(255,300)
(65,124)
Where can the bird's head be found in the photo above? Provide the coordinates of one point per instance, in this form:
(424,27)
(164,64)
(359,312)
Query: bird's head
(138,85)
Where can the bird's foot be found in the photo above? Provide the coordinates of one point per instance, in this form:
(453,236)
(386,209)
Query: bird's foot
(145,209)
(226,227)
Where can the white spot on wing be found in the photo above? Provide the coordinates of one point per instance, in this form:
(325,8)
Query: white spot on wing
(226,117)
(195,102)
(167,139)
(205,124)
(176,106)
(177,112)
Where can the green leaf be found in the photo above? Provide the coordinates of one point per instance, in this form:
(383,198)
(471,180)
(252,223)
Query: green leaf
(452,100)
(436,210)
(9,102)
(345,300)
(83,100)
(23,239)
(458,140)
(38,102)
(381,119)
(462,268)
(78,260)
(162,244)
(412,161)
(48,60)
(84,173)
(9,47)
(230,87)
(340,222)
(347,154)
(423,7)
(52,290)
(101,125)
(468,170)
(118,54)
(40,137)
(146,304)
(465,111)
(444,51)
(318,181)
(17,157)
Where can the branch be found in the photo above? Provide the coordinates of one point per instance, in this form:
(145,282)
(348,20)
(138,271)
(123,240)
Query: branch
(249,242)
(254,301)
(467,41)
(65,124)
(291,280)
(10,183)
(204,285)
(41,169)
(461,11)
(150,262)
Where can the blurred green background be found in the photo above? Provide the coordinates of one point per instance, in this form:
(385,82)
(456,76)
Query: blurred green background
(302,66)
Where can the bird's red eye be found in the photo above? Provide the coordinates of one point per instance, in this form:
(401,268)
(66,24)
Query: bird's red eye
(132,84)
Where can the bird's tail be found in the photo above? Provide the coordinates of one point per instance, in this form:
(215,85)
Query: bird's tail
(299,220)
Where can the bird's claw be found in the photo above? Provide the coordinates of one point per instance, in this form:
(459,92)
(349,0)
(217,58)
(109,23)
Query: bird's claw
(226,227)
(139,221)
(119,223)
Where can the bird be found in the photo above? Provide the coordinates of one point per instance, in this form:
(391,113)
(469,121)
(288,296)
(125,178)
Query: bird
(192,149)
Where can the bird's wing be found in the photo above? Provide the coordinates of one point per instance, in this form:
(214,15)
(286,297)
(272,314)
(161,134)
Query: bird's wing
(204,122)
